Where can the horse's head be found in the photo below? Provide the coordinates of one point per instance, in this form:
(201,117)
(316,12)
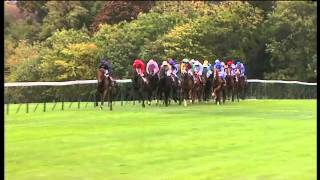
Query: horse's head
(238,72)
(100,75)
(228,69)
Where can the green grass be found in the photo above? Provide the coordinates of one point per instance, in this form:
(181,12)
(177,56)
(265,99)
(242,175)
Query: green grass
(250,140)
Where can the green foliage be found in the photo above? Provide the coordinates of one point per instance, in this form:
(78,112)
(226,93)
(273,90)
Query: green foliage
(23,63)
(63,14)
(68,55)
(220,35)
(292,41)
(122,43)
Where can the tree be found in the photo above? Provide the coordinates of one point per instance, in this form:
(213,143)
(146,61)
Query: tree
(64,54)
(63,14)
(228,31)
(123,42)
(22,62)
(116,11)
(292,30)
(34,9)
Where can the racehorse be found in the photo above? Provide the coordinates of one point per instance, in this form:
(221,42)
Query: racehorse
(106,88)
(230,86)
(198,87)
(153,80)
(186,87)
(175,90)
(140,86)
(240,85)
(207,81)
(217,87)
(165,84)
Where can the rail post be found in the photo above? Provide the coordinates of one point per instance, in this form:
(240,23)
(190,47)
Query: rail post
(44,107)
(27,108)
(36,107)
(19,108)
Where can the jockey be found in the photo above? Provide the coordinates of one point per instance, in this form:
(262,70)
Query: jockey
(197,69)
(152,67)
(138,65)
(186,66)
(206,68)
(167,67)
(105,64)
(240,67)
(174,67)
(231,65)
(219,67)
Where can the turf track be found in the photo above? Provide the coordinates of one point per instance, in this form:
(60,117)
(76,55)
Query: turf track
(262,139)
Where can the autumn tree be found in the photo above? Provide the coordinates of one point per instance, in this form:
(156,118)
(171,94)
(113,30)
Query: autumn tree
(115,11)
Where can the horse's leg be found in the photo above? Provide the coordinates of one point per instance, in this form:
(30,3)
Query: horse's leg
(223,94)
(103,95)
(142,95)
(232,93)
(97,98)
(185,97)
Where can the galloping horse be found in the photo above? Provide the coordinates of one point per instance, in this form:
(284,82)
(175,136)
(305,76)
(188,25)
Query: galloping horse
(153,80)
(240,85)
(197,88)
(217,87)
(175,88)
(140,86)
(106,87)
(230,80)
(165,84)
(186,87)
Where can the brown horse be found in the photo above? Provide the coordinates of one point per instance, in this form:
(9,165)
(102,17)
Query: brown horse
(140,87)
(230,86)
(106,88)
(198,88)
(186,87)
(240,85)
(217,87)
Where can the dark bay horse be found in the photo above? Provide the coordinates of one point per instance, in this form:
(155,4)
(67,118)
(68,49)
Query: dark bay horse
(106,88)
(198,87)
(175,89)
(240,85)
(207,81)
(217,87)
(152,89)
(186,87)
(165,85)
(140,86)
(230,86)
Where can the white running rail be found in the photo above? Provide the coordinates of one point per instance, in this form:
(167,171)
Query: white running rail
(66,83)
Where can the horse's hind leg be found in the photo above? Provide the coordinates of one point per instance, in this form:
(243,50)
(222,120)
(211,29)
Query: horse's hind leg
(103,95)
(110,99)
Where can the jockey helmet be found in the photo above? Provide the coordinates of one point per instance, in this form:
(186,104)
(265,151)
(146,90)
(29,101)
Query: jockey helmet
(217,61)
(205,63)
(172,62)
(222,63)
(165,63)
(229,62)
(238,63)
(185,60)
